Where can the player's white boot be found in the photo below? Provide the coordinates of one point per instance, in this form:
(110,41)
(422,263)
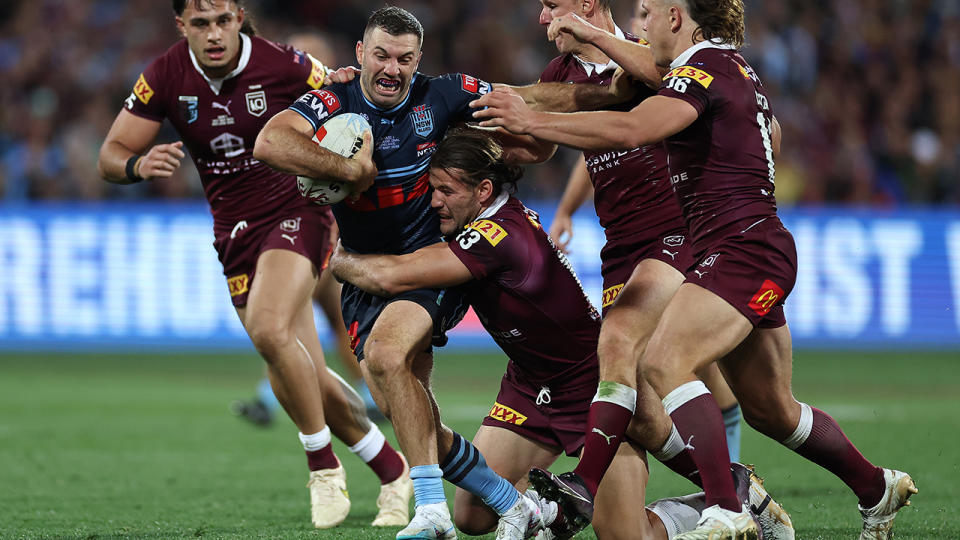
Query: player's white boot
(773,519)
(329,500)
(878,521)
(430,522)
(520,521)
(717,523)
(394,500)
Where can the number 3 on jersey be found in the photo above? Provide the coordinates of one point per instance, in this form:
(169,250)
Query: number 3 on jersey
(468,238)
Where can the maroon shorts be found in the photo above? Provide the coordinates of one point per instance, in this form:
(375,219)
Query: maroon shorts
(554,414)
(754,271)
(620,256)
(304,230)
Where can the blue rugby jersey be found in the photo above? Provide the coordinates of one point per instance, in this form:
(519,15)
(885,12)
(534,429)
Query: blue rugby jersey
(394,214)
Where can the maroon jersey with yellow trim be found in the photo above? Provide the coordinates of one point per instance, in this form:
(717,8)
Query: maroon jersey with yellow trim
(526,293)
(219,120)
(721,166)
(632,193)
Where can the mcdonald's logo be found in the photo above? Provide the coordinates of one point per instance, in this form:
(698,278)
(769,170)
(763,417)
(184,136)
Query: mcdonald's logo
(768,296)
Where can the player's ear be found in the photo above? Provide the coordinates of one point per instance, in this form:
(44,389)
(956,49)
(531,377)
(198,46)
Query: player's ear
(241,14)
(485,191)
(360,53)
(180,26)
(587,6)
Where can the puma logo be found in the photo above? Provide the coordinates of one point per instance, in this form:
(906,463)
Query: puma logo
(689,444)
(699,273)
(673,255)
(604,435)
(292,239)
(226,108)
(241,225)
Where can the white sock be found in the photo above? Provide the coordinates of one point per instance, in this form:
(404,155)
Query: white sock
(672,447)
(618,394)
(802,432)
(316,441)
(370,445)
(682,394)
(678,514)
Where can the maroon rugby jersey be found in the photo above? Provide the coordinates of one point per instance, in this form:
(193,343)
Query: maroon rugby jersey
(219,120)
(526,294)
(721,166)
(632,193)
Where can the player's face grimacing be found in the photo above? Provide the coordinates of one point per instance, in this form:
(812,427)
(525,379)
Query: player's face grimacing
(387,65)
(639,21)
(456,202)
(550,10)
(213,34)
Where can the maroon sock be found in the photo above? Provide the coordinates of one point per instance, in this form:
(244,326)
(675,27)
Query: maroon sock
(322,459)
(599,448)
(684,465)
(387,464)
(828,447)
(700,423)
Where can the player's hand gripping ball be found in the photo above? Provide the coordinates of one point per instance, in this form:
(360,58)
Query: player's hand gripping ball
(343,135)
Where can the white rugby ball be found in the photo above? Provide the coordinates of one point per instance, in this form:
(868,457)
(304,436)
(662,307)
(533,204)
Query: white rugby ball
(342,134)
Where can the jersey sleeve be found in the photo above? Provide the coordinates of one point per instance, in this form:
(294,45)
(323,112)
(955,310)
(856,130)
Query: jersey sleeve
(691,84)
(485,248)
(308,72)
(457,91)
(317,106)
(146,99)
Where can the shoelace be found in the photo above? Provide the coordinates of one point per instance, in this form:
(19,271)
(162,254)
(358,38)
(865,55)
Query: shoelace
(543,398)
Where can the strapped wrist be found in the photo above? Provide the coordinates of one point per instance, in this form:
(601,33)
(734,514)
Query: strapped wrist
(131,169)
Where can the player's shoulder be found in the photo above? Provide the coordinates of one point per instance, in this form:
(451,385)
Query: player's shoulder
(558,68)
(453,84)
(710,63)
(173,61)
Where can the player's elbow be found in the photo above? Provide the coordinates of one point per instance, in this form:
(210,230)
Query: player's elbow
(263,148)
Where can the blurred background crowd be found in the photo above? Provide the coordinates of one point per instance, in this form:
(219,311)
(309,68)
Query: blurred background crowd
(867,91)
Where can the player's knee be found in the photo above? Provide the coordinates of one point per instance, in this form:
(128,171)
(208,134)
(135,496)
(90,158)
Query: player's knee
(384,359)
(472,522)
(617,345)
(268,335)
(772,417)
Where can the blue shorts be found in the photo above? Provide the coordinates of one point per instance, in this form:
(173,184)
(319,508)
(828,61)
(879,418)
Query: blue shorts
(361,309)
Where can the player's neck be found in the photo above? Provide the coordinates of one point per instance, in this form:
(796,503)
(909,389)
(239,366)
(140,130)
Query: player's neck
(590,53)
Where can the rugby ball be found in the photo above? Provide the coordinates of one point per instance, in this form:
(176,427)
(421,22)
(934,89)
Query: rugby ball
(342,134)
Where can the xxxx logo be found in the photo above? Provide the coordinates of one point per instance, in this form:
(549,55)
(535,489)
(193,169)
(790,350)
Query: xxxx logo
(506,414)
(610,294)
(238,284)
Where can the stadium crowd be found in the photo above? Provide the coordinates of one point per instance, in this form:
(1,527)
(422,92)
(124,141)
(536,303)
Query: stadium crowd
(865,90)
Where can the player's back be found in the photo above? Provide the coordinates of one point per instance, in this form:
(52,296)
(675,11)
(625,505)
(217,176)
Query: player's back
(219,119)
(722,165)
(394,214)
(632,192)
(526,293)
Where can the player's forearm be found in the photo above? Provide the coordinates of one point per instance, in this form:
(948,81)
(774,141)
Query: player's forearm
(634,58)
(112,162)
(563,97)
(599,130)
(289,151)
(359,270)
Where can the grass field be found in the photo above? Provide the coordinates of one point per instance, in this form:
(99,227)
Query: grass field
(97,446)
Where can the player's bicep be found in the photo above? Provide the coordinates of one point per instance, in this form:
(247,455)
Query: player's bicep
(662,117)
(132,132)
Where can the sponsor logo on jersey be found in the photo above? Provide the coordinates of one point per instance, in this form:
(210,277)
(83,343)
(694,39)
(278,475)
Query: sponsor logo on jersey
(610,294)
(290,225)
(318,73)
(225,119)
(323,103)
(188,108)
(506,414)
(768,296)
(470,84)
(227,144)
(422,119)
(697,75)
(238,284)
(426,148)
(489,230)
(142,90)
(710,260)
(256,102)
(674,240)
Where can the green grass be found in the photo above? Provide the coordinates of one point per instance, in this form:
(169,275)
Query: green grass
(97,446)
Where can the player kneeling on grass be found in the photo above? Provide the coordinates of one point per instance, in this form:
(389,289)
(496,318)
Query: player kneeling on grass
(530,301)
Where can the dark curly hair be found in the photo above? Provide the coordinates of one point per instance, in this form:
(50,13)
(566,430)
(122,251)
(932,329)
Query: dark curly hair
(718,19)
(472,155)
(247,27)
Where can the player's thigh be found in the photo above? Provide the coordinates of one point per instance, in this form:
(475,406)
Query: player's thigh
(759,371)
(282,285)
(634,314)
(618,508)
(510,455)
(696,328)
(401,332)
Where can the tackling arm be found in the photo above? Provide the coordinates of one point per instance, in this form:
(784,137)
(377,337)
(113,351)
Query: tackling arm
(129,136)
(433,266)
(286,144)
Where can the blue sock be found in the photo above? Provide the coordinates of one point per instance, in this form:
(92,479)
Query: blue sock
(731,421)
(265,395)
(427,484)
(465,467)
(364,392)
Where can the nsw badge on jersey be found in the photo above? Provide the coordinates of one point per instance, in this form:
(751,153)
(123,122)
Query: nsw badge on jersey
(422,119)
(187,107)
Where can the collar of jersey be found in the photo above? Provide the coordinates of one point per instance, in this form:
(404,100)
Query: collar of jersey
(715,43)
(495,207)
(217,84)
(593,67)
(396,107)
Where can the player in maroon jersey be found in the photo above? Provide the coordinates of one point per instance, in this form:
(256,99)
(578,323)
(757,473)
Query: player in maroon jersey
(646,253)
(721,139)
(218,87)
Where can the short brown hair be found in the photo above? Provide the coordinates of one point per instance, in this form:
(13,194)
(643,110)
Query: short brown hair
(476,155)
(718,19)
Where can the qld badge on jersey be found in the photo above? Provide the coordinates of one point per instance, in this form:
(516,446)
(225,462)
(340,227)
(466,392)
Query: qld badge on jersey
(422,119)
(187,106)
(256,102)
